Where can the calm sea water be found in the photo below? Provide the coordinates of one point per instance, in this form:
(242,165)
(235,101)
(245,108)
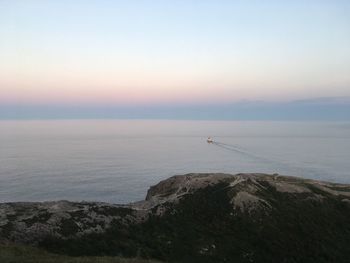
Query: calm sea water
(117,160)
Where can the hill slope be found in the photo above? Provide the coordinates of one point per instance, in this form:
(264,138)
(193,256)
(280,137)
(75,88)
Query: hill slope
(197,218)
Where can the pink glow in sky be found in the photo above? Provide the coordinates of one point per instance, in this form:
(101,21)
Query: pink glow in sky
(184,52)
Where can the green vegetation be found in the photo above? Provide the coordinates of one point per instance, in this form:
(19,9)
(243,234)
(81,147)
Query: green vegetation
(204,227)
(22,254)
(250,222)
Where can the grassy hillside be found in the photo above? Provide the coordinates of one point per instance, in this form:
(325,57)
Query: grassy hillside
(204,218)
(203,227)
(22,254)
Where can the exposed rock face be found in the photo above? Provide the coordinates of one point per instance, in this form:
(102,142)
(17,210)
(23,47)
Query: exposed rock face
(31,222)
(246,188)
(223,204)
(173,188)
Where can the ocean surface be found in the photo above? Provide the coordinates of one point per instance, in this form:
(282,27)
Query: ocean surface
(117,160)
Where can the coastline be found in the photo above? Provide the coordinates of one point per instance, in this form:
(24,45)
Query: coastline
(227,204)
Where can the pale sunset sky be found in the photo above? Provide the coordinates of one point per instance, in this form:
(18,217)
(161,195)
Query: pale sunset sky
(162,52)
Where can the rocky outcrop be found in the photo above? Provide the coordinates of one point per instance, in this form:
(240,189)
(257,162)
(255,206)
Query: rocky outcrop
(266,206)
(32,222)
(246,189)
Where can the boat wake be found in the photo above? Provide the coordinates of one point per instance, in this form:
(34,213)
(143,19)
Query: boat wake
(237,149)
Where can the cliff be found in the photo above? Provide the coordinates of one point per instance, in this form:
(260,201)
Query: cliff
(197,218)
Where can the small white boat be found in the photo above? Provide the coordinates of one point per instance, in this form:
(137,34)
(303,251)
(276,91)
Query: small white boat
(209,140)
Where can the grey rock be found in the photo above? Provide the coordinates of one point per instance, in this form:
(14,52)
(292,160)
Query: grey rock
(31,222)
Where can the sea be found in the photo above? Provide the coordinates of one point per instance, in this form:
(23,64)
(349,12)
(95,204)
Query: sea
(118,160)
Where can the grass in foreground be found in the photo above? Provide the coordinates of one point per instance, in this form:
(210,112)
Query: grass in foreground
(25,254)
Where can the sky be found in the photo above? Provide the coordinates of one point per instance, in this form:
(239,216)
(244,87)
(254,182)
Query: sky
(134,54)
